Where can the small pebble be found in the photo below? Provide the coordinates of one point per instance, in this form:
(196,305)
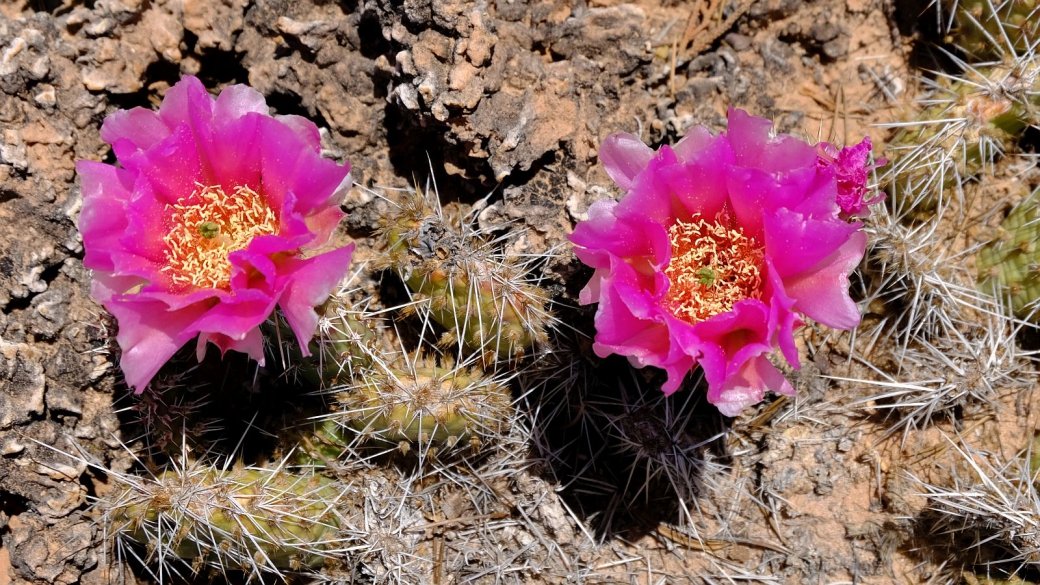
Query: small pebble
(738,41)
(47,97)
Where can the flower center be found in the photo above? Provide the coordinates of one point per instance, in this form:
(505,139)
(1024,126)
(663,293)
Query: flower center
(205,231)
(713,266)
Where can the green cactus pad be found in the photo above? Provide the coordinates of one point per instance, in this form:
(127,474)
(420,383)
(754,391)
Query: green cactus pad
(1034,458)
(425,404)
(982,25)
(1008,266)
(970,121)
(244,518)
(346,340)
(483,298)
(319,443)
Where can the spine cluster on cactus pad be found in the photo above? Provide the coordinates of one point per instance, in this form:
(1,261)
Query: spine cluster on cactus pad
(426,405)
(346,340)
(969,121)
(1009,266)
(982,25)
(485,299)
(251,519)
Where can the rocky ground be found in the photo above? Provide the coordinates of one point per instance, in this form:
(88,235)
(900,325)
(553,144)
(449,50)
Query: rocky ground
(512,98)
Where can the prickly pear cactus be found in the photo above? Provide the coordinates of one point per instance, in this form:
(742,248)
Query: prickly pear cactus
(985,27)
(321,444)
(1009,266)
(968,122)
(486,300)
(239,519)
(427,405)
(346,340)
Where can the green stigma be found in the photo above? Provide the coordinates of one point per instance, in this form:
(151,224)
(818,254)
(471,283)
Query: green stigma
(706,276)
(209,229)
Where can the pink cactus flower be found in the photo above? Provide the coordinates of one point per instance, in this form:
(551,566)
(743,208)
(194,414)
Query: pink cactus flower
(213,218)
(718,249)
(851,168)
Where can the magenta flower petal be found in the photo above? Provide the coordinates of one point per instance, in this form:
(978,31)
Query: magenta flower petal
(747,386)
(231,152)
(136,129)
(309,284)
(175,109)
(821,293)
(798,243)
(290,165)
(210,224)
(106,189)
(754,191)
(143,235)
(625,304)
(706,191)
(305,129)
(153,333)
(731,338)
(162,292)
(624,156)
(237,101)
(639,239)
(323,223)
(820,196)
(755,146)
(783,320)
(679,357)
(696,142)
(172,167)
(251,344)
(673,188)
(852,169)
(720,247)
(235,319)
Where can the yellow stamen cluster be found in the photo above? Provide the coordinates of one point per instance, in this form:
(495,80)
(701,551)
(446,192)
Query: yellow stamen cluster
(713,266)
(209,225)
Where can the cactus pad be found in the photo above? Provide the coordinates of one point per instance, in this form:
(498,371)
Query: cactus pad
(486,300)
(1009,266)
(346,340)
(982,25)
(246,518)
(969,121)
(426,405)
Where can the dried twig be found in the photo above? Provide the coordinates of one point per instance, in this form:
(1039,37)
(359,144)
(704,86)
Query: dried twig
(705,24)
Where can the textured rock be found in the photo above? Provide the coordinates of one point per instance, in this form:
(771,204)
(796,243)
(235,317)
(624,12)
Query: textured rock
(22,383)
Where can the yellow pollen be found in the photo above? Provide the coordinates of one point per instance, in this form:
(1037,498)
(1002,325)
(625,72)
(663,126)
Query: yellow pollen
(208,226)
(713,266)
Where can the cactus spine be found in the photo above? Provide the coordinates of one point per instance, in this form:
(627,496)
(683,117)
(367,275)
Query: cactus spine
(967,123)
(1009,266)
(426,405)
(169,409)
(486,300)
(346,340)
(251,519)
(984,25)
